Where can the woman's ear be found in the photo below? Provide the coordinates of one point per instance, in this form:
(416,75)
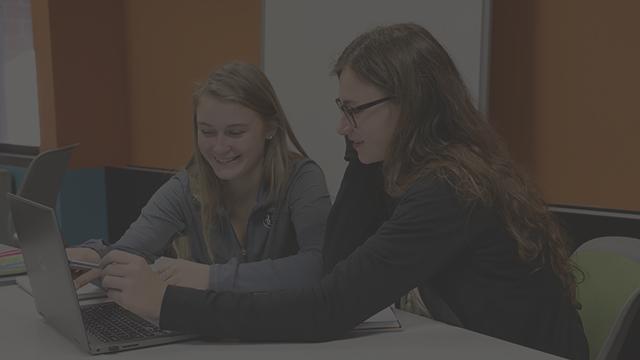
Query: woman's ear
(271,132)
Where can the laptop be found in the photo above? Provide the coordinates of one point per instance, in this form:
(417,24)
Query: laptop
(42,182)
(44,176)
(97,328)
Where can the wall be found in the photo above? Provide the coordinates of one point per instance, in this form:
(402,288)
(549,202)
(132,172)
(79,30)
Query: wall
(564,87)
(117,76)
(299,62)
(18,95)
(80,65)
(170,46)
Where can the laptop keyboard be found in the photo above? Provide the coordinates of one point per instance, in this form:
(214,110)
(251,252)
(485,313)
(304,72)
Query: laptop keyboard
(110,322)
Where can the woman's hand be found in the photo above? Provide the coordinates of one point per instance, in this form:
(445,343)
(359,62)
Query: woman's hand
(183,273)
(130,282)
(82,277)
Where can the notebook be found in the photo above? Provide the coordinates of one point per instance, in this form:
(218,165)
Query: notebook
(11,261)
(11,264)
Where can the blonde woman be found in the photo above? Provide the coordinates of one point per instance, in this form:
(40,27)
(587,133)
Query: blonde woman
(248,213)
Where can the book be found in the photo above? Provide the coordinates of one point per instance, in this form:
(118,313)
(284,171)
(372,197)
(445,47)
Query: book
(11,261)
(384,320)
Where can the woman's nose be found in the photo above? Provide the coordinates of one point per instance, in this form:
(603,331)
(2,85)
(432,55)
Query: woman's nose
(344,127)
(221,145)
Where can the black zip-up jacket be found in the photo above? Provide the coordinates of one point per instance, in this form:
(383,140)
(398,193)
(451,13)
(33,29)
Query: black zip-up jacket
(426,238)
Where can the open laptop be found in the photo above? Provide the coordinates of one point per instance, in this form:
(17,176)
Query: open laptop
(97,328)
(42,182)
(44,176)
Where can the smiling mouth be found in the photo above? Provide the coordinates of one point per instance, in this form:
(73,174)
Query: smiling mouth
(226,161)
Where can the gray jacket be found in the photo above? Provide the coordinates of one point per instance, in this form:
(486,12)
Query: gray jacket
(284,241)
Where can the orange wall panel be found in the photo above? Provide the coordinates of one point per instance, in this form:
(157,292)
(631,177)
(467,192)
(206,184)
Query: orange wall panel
(563,94)
(117,75)
(80,65)
(170,47)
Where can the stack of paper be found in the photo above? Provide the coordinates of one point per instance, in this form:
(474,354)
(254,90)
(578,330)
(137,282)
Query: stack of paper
(11,261)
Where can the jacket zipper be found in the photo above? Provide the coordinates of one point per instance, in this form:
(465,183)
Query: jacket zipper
(243,249)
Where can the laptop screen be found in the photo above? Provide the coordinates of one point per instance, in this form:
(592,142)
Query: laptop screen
(44,176)
(46,262)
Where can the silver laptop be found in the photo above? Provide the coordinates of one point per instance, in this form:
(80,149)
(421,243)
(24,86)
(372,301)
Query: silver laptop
(41,183)
(97,328)
(44,176)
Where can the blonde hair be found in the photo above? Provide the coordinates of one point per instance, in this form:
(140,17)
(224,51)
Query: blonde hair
(246,85)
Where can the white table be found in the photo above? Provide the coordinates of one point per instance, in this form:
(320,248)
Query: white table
(25,335)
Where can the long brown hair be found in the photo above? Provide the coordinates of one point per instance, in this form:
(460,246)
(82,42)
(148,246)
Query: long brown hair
(441,133)
(246,85)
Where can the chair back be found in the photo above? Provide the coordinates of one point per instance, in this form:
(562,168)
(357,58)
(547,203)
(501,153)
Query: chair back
(609,293)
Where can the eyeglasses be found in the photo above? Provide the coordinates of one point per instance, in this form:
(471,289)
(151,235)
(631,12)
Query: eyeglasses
(351,112)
